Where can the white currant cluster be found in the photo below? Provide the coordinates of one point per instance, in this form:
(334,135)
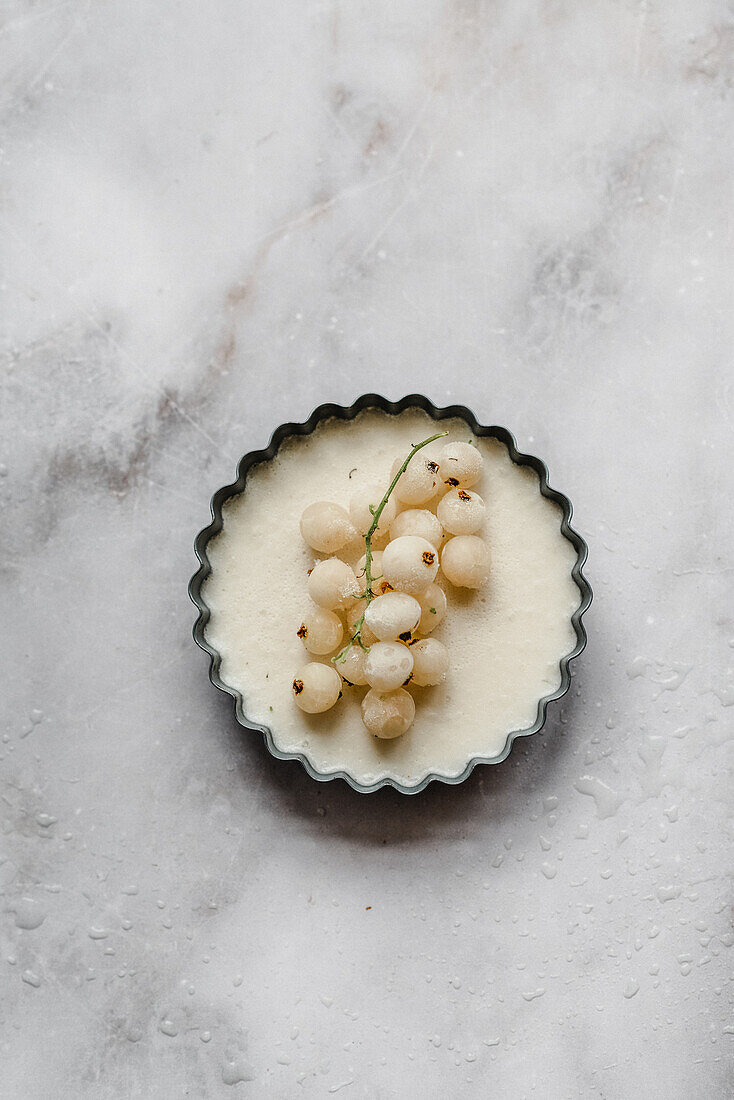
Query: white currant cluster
(390,601)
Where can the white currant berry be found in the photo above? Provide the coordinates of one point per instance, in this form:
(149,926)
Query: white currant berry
(461,465)
(419,483)
(362,518)
(321,631)
(392,616)
(316,688)
(326,527)
(353,615)
(430,662)
(332,584)
(410,563)
(417,521)
(461,512)
(433,608)
(379,584)
(465,561)
(351,668)
(388,714)
(388,665)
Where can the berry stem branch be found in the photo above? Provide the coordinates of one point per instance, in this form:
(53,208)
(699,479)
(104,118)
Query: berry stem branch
(376,513)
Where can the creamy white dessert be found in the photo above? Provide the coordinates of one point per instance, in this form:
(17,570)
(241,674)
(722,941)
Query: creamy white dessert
(505,640)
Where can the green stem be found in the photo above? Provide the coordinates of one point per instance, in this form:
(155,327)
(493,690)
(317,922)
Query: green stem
(376,513)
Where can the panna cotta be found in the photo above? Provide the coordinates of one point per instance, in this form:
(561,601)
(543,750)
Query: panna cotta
(494,609)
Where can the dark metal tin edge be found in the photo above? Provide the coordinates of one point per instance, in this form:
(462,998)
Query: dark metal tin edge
(324,412)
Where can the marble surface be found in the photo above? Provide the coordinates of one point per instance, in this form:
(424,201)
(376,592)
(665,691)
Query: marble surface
(213,218)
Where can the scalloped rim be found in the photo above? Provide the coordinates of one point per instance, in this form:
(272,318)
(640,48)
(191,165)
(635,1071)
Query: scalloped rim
(325,412)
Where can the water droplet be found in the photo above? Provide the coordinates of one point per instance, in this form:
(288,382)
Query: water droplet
(168,1027)
(674,679)
(134,1033)
(725,692)
(684,961)
(326,1001)
(97,933)
(36,716)
(205,1036)
(238,979)
(533,993)
(45,820)
(632,987)
(549,870)
(28,914)
(236,1069)
(668,893)
(31,979)
(607,800)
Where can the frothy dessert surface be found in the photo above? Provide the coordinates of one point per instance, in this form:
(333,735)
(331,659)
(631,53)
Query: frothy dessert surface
(505,641)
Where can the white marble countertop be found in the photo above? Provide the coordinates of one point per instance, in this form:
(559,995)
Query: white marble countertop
(214,218)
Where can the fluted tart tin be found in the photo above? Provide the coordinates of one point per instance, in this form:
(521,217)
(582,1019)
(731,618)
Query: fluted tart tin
(320,415)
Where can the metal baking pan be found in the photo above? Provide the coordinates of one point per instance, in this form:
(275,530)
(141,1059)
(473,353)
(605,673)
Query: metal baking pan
(325,412)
